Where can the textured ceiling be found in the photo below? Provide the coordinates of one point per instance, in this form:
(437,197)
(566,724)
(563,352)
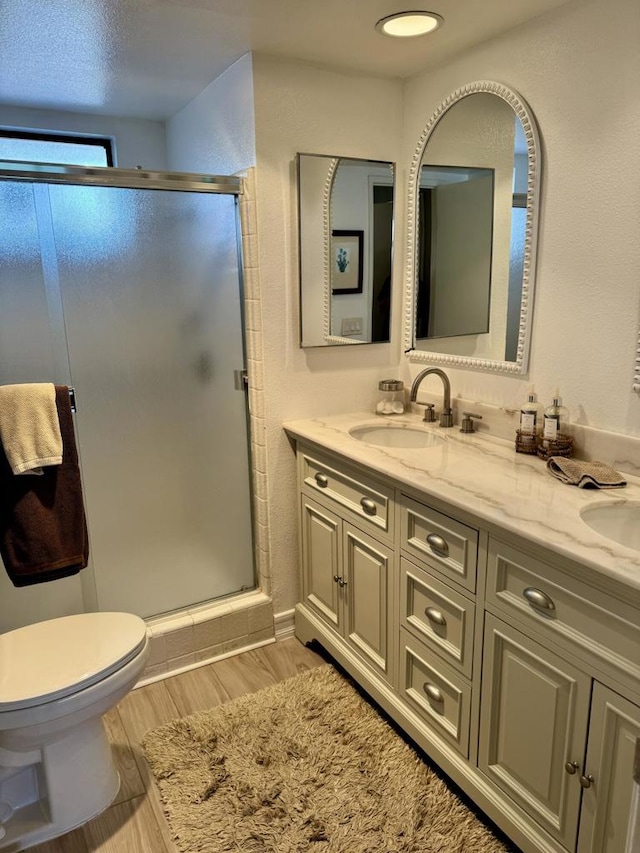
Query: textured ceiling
(148,58)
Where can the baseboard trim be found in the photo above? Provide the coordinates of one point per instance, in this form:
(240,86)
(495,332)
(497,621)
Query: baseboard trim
(284,624)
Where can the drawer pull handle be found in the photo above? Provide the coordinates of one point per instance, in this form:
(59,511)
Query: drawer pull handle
(368,506)
(434,694)
(539,599)
(322,480)
(586,781)
(435,616)
(438,544)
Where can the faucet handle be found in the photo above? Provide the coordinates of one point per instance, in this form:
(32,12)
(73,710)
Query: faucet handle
(429,414)
(467,423)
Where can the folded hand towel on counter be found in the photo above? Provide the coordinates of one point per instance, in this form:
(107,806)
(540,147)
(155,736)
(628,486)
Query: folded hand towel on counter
(29,427)
(585,475)
(43,532)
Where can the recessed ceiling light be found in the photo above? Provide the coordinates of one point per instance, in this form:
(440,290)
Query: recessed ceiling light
(408,24)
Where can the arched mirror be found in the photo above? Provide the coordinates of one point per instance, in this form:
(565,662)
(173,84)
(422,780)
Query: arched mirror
(473,202)
(346,242)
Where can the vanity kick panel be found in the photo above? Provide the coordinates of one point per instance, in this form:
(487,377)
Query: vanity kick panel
(438,694)
(370,501)
(444,543)
(522,586)
(437,615)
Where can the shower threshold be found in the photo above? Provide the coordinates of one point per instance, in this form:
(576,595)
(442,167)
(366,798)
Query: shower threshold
(198,635)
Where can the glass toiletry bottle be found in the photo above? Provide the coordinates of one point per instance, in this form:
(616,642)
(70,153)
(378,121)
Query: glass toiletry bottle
(556,421)
(527,435)
(530,416)
(390,397)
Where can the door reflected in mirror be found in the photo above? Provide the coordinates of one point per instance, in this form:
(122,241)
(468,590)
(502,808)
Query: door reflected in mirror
(454,286)
(346,246)
(471,255)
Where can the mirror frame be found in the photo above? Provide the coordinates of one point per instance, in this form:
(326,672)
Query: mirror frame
(523,112)
(326,238)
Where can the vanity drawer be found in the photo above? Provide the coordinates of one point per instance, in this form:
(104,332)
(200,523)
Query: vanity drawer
(436,614)
(364,497)
(439,695)
(583,619)
(444,543)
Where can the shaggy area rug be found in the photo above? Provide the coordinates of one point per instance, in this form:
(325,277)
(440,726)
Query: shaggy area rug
(305,765)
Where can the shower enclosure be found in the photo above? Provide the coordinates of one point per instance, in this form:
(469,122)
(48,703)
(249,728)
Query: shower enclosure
(127,286)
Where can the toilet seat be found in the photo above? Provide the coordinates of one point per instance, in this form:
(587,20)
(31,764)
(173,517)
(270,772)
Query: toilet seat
(47,661)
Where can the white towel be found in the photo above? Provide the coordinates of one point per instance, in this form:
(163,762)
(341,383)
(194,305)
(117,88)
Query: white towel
(29,427)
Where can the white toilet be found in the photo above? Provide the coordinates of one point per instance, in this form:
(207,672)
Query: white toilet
(57,679)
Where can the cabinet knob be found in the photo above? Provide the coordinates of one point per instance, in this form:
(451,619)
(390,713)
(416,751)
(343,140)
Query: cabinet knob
(586,781)
(368,506)
(435,616)
(337,578)
(539,599)
(322,480)
(438,544)
(434,694)
(571,767)
(342,582)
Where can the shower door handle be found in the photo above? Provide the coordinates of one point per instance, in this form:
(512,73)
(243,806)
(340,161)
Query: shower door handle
(240,380)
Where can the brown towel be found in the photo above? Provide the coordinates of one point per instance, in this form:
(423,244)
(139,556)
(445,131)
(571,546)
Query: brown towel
(585,475)
(43,532)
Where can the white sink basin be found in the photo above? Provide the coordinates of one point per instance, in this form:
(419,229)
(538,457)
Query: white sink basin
(395,435)
(619,522)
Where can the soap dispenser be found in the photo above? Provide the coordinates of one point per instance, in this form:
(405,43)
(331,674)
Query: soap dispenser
(528,434)
(556,440)
(531,416)
(556,420)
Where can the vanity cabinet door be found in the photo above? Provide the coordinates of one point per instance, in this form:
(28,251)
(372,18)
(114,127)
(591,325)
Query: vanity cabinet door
(321,561)
(367,578)
(533,725)
(347,579)
(607,823)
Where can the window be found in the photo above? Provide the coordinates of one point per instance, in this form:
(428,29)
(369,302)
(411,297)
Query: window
(36,147)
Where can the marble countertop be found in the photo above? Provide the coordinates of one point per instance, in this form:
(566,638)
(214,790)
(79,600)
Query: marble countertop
(483,475)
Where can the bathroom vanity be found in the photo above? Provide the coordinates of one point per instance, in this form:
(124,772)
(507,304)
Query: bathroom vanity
(458,584)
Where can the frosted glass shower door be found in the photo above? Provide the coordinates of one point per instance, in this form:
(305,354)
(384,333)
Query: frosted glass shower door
(150,285)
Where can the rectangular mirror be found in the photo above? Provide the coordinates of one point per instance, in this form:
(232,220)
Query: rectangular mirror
(345,210)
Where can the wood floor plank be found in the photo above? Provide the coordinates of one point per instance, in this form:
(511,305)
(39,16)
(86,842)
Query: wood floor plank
(146,708)
(129,827)
(197,690)
(287,658)
(72,842)
(131,784)
(243,674)
(141,710)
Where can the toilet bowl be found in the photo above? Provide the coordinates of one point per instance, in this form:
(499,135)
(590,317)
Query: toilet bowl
(57,679)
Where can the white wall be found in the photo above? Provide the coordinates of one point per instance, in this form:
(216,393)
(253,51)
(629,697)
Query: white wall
(215,133)
(139,142)
(578,69)
(301,108)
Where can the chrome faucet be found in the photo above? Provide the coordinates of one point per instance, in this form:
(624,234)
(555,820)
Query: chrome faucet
(446,418)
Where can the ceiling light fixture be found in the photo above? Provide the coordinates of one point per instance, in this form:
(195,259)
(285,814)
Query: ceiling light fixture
(408,24)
